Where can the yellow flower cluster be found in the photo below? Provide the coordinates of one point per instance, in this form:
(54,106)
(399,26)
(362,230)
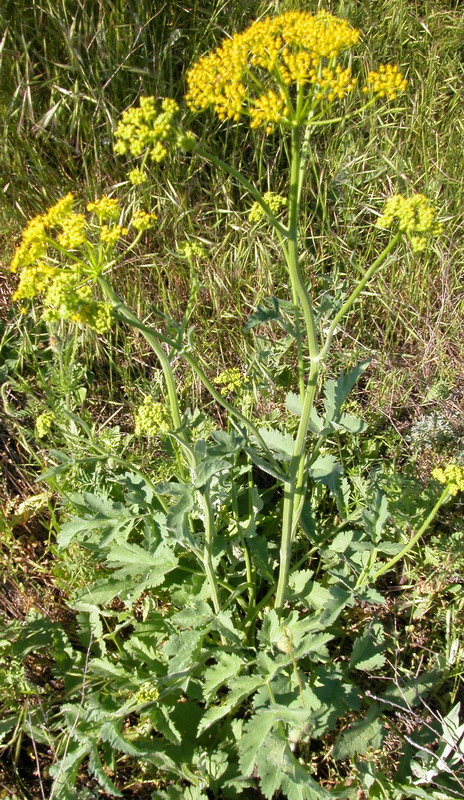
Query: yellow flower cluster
(143,129)
(387,82)
(137,176)
(416,217)
(111,235)
(273,200)
(33,243)
(452,475)
(105,208)
(231,380)
(191,249)
(43,424)
(143,220)
(47,241)
(253,72)
(151,418)
(72,231)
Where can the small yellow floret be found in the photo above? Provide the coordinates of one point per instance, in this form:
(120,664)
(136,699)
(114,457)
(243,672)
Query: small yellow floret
(151,418)
(231,380)
(452,475)
(142,129)
(273,200)
(43,424)
(110,235)
(137,176)
(105,208)
(252,72)
(143,220)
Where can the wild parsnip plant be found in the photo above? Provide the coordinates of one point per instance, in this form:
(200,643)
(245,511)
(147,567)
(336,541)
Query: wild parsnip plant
(214,653)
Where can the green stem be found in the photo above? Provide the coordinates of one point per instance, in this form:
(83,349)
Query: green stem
(210,531)
(294,485)
(414,539)
(357,291)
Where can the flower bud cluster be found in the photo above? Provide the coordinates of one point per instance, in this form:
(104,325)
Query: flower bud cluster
(231,380)
(137,176)
(415,217)
(143,129)
(191,249)
(452,475)
(111,235)
(43,424)
(146,694)
(273,200)
(386,82)
(151,418)
(105,208)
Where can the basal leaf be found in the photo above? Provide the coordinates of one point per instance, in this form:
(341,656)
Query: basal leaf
(368,649)
(96,769)
(228,666)
(361,736)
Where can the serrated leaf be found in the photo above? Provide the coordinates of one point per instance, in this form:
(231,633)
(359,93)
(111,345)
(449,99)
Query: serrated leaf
(281,444)
(350,423)
(110,732)
(240,688)
(263,315)
(368,649)
(261,462)
(327,470)
(294,404)
(228,666)
(375,517)
(96,769)
(337,391)
(361,736)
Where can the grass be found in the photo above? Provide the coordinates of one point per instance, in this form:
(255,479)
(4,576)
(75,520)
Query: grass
(68,69)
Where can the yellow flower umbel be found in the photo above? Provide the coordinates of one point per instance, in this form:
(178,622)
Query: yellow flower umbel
(273,200)
(151,418)
(144,129)
(415,217)
(60,255)
(275,70)
(387,82)
(452,475)
(143,220)
(231,380)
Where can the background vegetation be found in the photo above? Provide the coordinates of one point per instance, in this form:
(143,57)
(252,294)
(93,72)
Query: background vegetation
(68,70)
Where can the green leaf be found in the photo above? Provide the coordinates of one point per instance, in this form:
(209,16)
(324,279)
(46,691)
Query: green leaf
(263,315)
(281,444)
(368,649)
(240,689)
(327,470)
(95,767)
(361,736)
(350,423)
(65,771)
(294,404)
(110,732)
(261,462)
(228,666)
(337,391)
